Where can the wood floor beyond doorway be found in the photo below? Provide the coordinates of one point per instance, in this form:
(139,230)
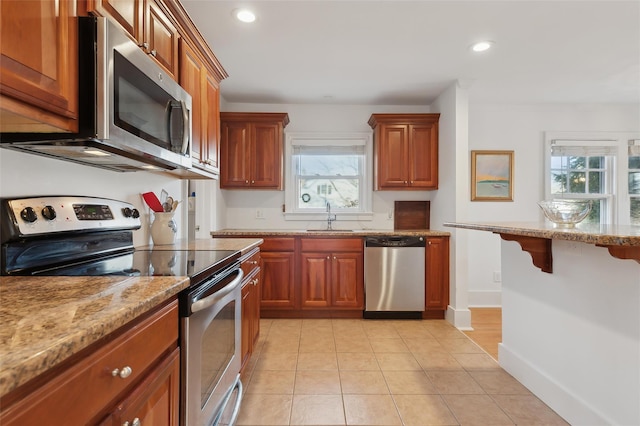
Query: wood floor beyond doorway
(487,329)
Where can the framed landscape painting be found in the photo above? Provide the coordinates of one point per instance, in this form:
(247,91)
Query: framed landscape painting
(491,175)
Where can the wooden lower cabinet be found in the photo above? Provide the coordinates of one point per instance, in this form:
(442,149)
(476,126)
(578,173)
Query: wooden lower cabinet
(332,273)
(153,402)
(278,274)
(134,373)
(324,277)
(250,321)
(436,277)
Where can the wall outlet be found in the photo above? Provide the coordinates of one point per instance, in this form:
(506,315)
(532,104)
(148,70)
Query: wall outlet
(390,215)
(259,214)
(497,276)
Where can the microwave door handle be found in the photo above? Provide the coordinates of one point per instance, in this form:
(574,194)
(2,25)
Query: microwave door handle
(186,125)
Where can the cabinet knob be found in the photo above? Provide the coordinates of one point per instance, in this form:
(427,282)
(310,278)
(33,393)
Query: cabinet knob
(145,45)
(252,182)
(136,422)
(246,181)
(153,53)
(328,258)
(334,258)
(429,242)
(124,373)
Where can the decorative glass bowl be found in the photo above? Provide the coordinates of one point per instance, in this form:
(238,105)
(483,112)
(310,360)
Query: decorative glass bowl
(565,212)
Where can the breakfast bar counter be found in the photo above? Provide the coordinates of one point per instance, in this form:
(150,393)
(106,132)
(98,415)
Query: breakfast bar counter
(571,320)
(623,242)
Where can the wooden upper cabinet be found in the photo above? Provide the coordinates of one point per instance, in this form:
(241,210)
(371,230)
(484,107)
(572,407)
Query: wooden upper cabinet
(204,89)
(405,151)
(251,150)
(148,24)
(128,13)
(161,38)
(38,66)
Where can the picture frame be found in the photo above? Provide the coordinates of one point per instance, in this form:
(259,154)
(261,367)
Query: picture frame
(491,175)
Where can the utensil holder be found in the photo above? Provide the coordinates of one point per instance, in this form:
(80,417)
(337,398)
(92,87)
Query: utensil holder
(163,228)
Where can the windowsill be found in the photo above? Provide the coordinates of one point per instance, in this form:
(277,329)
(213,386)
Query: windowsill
(367,216)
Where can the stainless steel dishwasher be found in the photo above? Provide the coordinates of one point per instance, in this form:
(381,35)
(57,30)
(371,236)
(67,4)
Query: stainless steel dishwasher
(394,277)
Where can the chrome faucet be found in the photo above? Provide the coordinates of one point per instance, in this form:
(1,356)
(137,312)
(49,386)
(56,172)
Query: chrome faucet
(329,218)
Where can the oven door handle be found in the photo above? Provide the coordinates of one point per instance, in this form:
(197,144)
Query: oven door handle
(208,301)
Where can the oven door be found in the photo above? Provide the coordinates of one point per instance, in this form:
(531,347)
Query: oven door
(211,350)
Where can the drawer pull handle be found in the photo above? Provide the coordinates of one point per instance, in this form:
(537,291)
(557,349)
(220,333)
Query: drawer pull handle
(124,373)
(136,422)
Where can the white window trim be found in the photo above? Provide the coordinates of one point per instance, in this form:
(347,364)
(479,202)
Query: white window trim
(618,200)
(315,138)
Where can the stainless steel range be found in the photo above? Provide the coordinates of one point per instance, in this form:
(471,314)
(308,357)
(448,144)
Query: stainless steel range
(69,235)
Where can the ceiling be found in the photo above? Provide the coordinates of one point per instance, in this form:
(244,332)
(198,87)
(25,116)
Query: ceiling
(408,52)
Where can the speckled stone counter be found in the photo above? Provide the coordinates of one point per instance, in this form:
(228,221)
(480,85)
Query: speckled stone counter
(605,235)
(623,242)
(243,245)
(320,233)
(45,322)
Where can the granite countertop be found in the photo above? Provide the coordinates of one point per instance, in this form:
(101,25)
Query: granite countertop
(44,323)
(602,235)
(243,245)
(332,233)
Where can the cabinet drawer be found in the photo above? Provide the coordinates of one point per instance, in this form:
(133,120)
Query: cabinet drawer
(331,244)
(250,263)
(278,244)
(88,388)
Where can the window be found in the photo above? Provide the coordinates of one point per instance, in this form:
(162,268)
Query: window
(634,182)
(330,169)
(584,167)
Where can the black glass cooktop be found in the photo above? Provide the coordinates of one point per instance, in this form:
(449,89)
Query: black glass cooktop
(191,263)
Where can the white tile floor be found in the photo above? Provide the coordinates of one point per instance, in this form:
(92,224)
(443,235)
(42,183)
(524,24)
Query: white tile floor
(379,372)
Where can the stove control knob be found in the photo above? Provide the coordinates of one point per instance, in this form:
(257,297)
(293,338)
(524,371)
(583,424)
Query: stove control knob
(135,213)
(48,213)
(28,214)
(126,212)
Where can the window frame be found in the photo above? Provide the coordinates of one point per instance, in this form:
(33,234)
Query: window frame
(335,139)
(616,206)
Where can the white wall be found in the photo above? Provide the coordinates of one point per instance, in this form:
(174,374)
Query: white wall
(241,205)
(573,336)
(31,175)
(521,128)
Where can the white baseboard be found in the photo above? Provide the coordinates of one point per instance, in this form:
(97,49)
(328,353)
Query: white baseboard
(485,299)
(567,405)
(460,318)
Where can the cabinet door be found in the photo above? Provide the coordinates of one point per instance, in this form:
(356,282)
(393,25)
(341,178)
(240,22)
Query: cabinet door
(210,143)
(128,13)
(156,400)
(277,280)
(234,155)
(423,157)
(316,276)
(161,38)
(266,161)
(392,156)
(347,280)
(437,273)
(38,66)
(192,74)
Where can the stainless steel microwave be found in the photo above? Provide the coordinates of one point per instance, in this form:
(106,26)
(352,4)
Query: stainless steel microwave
(133,115)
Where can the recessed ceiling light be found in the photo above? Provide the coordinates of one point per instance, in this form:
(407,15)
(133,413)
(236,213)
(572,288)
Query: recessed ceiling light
(245,15)
(481,46)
